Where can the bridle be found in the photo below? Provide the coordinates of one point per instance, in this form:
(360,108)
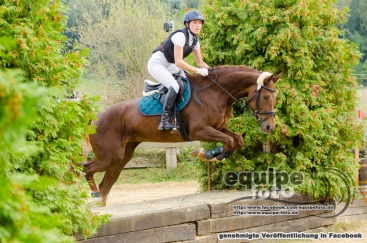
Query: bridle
(256,113)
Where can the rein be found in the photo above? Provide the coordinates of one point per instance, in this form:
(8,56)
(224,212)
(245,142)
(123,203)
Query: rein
(256,113)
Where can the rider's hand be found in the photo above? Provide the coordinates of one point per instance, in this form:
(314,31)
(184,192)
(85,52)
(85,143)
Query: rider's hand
(202,71)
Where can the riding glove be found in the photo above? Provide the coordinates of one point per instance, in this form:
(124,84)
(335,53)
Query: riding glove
(202,71)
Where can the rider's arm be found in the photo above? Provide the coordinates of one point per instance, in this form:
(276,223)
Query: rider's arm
(179,62)
(199,59)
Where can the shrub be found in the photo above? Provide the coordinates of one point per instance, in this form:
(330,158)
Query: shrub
(31,40)
(316,96)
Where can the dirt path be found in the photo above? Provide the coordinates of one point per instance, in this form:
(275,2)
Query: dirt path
(128,193)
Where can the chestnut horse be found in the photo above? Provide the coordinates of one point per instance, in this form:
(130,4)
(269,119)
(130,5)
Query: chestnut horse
(121,128)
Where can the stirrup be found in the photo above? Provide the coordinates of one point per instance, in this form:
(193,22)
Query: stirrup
(164,128)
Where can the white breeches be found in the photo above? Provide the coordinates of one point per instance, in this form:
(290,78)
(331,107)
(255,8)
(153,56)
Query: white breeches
(162,71)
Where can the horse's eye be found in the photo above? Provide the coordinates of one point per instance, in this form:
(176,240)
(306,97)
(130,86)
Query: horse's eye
(266,97)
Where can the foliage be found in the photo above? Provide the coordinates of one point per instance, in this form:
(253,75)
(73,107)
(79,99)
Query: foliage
(316,97)
(31,40)
(22,220)
(74,14)
(358,17)
(176,6)
(355,30)
(121,44)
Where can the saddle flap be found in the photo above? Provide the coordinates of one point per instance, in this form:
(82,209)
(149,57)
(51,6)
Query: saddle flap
(182,84)
(151,87)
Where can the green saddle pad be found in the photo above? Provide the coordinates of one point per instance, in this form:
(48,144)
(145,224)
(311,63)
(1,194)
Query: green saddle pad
(150,105)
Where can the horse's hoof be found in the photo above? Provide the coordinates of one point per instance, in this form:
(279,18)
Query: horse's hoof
(96,202)
(220,157)
(224,154)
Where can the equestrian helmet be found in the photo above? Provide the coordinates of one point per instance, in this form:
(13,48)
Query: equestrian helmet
(193,15)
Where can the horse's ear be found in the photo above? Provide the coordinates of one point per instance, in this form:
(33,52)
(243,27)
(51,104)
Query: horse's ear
(268,79)
(276,78)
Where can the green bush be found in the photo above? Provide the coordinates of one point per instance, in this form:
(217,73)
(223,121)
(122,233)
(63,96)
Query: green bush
(46,194)
(22,219)
(316,95)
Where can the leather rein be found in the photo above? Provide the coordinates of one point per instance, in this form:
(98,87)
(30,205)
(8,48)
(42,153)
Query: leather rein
(257,112)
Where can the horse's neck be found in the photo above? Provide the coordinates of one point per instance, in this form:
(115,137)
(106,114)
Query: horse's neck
(224,86)
(239,82)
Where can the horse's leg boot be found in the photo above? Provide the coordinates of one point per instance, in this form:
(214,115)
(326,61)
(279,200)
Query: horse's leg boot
(214,152)
(224,154)
(165,123)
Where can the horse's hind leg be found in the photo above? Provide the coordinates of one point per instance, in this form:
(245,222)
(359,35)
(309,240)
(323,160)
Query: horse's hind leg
(112,174)
(90,168)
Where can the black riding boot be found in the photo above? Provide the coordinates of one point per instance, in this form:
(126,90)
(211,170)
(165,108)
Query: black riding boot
(165,123)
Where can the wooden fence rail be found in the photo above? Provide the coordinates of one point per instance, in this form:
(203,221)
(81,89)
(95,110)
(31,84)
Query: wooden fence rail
(171,153)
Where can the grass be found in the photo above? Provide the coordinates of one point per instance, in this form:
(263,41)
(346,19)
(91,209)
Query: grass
(109,93)
(362,95)
(186,170)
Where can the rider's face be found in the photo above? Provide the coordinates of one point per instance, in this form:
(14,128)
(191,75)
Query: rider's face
(195,26)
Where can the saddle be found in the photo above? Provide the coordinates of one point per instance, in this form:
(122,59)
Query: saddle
(156,92)
(152,88)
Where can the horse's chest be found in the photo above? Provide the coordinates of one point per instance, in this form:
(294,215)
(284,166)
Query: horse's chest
(220,118)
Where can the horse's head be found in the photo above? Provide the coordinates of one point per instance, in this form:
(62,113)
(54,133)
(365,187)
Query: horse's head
(262,100)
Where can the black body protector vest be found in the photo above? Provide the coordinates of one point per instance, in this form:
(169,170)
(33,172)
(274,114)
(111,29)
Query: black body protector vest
(167,46)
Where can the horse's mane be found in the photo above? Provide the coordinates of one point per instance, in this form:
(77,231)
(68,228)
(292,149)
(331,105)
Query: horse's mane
(241,67)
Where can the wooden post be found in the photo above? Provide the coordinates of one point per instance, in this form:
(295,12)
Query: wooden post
(356,155)
(209,171)
(266,146)
(171,158)
(360,116)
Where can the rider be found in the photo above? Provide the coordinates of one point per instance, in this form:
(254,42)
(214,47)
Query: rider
(167,59)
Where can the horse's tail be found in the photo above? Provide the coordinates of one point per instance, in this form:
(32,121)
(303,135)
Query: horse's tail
(86,147)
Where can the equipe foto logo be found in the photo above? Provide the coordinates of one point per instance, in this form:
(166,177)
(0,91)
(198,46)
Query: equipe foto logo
(280,182)
(272,184)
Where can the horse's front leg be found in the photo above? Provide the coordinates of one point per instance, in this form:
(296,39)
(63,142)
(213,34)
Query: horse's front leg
(209,134)
(238,140)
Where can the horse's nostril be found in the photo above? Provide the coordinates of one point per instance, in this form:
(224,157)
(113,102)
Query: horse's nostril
(268,127)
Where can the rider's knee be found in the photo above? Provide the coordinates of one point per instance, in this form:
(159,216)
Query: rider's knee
(175,87)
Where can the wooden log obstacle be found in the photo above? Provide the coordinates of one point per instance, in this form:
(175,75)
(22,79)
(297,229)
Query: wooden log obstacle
(201,217)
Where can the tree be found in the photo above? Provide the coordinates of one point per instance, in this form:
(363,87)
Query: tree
(316,98)
(121,45)
(355,29)
(51,196)
(358,17)
(22,220)
(194,4)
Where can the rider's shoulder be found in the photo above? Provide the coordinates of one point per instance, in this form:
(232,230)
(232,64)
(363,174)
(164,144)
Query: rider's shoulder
(178,38)
(179,34)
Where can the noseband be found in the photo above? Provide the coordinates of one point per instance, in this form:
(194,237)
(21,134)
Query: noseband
(256,113)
